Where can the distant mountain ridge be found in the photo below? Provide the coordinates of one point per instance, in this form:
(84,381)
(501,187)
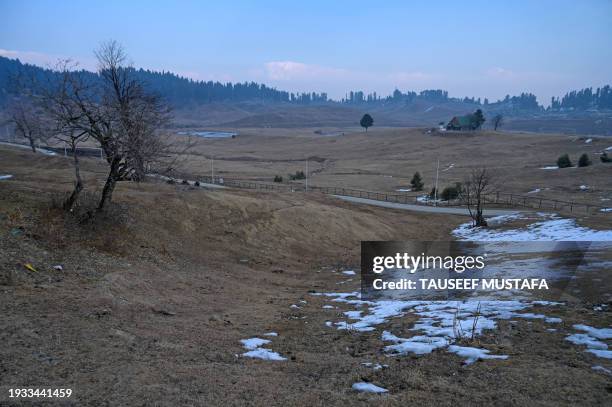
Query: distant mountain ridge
(181,91)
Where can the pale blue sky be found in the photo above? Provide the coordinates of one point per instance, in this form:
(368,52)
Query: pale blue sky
(471,48)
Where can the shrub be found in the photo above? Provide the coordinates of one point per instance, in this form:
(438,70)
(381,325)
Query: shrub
(297,175)
(185,182)
(197,183)
(604,158)
(432,194)
(584,160)
(278,178)
(451,192)
(171,181)
(417,182)
(564,161)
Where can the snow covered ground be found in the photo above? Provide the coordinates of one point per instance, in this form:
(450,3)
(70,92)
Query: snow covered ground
(7,176)
(548,227)
(592,339)
(441,324)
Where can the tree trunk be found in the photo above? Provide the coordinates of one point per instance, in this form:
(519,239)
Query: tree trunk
(139,170)
(480,220)
(32,144)
(109,186)
(78,186)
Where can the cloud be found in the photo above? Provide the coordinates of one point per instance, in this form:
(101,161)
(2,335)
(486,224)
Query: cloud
(503,73)
(337,81)
(291,70)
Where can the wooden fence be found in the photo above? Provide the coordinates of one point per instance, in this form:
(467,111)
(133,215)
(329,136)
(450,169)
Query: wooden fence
(499,199)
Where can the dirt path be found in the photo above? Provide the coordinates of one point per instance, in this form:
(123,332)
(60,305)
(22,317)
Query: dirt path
(423,208)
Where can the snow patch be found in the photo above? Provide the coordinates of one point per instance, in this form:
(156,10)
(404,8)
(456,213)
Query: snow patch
(471,355)
(349,272)
(600,353)
(368,388)
(440,323)
(38,149)
(253,343)
(602,369)
(584,339)
(599,333)
(265,354)
(590,340)
(551,228)
(7,176)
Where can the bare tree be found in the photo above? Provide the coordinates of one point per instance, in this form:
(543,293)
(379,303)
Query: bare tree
(132,117)
(28,122)
(115,109)
(60,97)
(473,192)
(498,121)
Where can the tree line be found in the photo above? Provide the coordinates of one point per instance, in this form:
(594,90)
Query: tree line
(584,99)
(180,91)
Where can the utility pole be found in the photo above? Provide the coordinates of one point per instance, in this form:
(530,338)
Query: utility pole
(436,187)
(212,169)
(307,175)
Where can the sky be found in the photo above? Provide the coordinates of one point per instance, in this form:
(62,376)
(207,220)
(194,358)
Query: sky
(470,48)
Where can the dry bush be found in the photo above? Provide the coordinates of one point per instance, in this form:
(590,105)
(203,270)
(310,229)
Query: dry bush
(61,229)
(15,217)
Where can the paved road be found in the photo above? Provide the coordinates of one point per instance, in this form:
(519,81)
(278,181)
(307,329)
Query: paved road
(423,208)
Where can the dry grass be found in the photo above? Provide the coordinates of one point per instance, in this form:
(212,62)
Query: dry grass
(386,159)
(150,311)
